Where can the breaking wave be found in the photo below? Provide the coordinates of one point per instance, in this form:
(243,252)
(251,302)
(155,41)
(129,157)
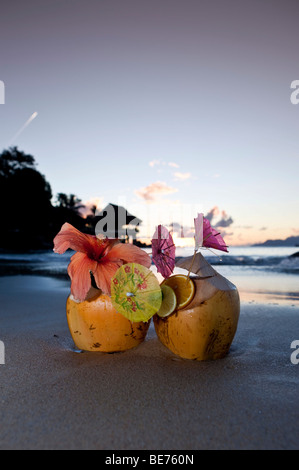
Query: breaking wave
(49,262)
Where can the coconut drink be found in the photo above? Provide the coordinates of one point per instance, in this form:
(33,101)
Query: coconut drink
(114,294)
(95,325)
(200,319)
(97,319)
(205,318)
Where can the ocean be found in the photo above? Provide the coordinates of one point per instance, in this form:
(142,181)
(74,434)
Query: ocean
(260,273)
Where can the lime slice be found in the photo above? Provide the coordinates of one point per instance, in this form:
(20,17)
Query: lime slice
(183,287)
(135,292)
(169,302)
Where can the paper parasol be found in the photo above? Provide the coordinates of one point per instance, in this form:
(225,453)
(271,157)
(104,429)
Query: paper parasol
(207,236)
(163,251)
(197,265)
(135,292)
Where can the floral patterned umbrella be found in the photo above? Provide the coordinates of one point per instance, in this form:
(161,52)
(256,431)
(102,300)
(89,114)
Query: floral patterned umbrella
(135,292)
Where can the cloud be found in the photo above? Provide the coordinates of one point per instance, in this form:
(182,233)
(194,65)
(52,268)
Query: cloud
(212,213)
(224,221)
(151,192)
(176,228)
(182,176)
(248,227)
(154,163)
(95,202)
(226,234)
(181,231)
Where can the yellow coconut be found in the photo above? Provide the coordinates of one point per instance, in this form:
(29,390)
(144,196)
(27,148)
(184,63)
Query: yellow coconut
(205,328)
(95,325)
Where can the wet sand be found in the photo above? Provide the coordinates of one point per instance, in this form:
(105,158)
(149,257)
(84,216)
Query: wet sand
(54,397)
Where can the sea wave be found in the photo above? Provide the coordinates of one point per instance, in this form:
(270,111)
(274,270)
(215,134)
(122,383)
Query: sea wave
(288,264)
(52,263)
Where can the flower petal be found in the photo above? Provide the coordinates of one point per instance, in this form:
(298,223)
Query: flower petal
(79,271)
(104,273)
(70,237)
(129,254)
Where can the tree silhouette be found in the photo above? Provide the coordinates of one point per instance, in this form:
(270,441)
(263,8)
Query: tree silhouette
(13,159)
(70,201)
(67,209)
(25,197)
(29,220)
(93,209)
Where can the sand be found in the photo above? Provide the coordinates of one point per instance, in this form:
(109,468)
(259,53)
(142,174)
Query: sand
(53,397)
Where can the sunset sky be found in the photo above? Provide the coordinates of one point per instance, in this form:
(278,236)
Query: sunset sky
(168,107)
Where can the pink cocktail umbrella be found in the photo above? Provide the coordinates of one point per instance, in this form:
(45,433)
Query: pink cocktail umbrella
(206,236)
(163,251)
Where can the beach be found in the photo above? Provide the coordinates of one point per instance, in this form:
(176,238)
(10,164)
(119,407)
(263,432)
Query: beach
(121,166)
(56,397)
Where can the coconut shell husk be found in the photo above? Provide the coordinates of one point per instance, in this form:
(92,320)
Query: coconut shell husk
(208,280)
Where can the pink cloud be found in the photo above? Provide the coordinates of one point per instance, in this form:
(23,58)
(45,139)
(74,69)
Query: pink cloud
(151,192)
(182,176)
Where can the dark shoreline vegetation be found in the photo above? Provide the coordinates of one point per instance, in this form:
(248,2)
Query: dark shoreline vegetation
(30,220)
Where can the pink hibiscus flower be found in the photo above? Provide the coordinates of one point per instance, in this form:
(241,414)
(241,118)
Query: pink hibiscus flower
(101,257)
